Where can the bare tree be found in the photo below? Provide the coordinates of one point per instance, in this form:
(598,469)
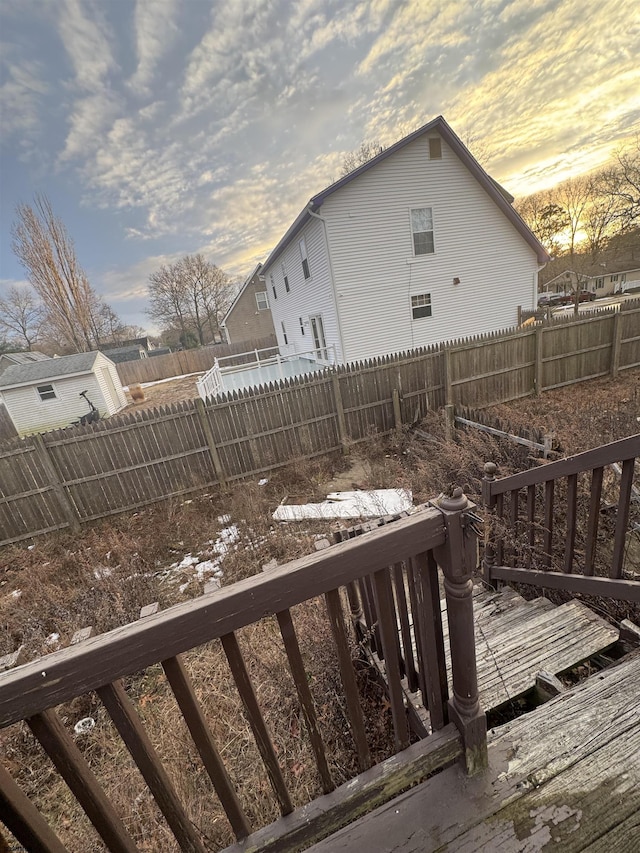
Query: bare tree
(546,219)
(191,295)
(21,316)
(622,184)
(367,151)
(46,251)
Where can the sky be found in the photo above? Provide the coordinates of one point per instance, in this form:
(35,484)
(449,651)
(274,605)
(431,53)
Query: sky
(159,128)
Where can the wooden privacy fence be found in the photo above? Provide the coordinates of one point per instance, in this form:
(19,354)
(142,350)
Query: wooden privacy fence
(431,537)
(67,477)
(184,362)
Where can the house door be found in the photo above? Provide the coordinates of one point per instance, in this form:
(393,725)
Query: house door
(319,342)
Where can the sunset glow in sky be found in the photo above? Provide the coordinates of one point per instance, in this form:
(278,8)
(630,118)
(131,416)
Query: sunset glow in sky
(164,127)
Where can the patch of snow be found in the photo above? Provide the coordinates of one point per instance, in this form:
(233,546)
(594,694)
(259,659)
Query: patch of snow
(183,586)
(30,547)
(187,562)
(357,504)
(263,481)
(16,593)
(224,519)
(101,572)
(84,725)
(53,640)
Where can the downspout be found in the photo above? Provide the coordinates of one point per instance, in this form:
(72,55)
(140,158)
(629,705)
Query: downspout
(333,280)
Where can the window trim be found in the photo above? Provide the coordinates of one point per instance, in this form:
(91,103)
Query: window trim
(424,307)
(41,390)
(417,254)
(304,256)
(435,151)
(302,326)
(264,293)
(284,333)
(285,277)
(273,285)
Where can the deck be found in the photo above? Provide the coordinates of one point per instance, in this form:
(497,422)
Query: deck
(565,777)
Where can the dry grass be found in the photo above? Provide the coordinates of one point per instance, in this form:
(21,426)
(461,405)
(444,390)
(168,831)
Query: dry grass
(103,576)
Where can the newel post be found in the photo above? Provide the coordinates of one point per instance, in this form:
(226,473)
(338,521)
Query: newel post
(457,559)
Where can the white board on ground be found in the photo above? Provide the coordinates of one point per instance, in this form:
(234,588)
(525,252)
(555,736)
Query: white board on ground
(359,504)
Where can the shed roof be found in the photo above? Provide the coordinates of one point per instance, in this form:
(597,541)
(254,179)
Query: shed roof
(438,125)
(49,369)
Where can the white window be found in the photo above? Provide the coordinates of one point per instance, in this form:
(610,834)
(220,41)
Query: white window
(46,392)
(614,278)
(262,300)
(422,230)
(284,333)
(435,148)
(305,260)
(421,305)
(273,286)
(285,277)
(623,277)
(301,325)
(599,282)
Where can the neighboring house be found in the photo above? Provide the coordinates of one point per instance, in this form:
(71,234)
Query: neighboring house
(9,358)
(132,352)
(46,395)
(144,342)
(601,279)
(249,317)
(417,246)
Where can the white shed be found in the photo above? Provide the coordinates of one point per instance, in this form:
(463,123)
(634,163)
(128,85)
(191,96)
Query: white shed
(54,393)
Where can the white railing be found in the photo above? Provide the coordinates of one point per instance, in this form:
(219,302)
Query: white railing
(211,383)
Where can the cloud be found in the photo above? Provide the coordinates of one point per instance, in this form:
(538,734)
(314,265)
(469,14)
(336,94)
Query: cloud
(87,40)
(156,30)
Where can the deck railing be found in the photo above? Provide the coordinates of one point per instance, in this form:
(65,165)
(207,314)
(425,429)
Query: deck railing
(433,536)
(573,524)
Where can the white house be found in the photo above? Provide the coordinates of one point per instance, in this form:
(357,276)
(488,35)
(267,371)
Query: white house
(45,395)
(418,245)
(603,279)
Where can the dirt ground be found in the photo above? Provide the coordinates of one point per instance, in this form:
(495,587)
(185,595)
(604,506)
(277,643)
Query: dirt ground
(165,393)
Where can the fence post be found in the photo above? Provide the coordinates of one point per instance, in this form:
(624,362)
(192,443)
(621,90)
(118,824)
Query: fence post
(397,412)
(538,357)
(213,450)
(457,558)
(70,512)
(616,344)
(450,421)
(446,379)
(342,423)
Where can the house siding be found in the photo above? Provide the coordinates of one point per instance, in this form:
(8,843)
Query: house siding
(376,272)
(307,297)
(245,322)
(30,414)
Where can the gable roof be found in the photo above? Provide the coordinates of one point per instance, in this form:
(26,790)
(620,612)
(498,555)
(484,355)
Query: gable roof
(499,195)
(49,369)
(236,298)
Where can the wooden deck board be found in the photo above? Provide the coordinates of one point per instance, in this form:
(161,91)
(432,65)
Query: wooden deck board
(565,777)
(515,642)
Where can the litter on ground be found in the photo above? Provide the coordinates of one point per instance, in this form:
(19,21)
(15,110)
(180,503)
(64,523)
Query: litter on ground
(358,504)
